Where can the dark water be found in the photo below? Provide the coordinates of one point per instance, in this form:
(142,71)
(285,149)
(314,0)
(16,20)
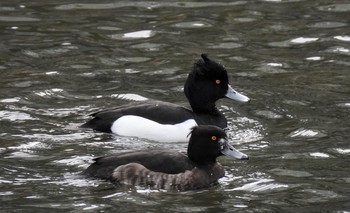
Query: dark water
(61,61)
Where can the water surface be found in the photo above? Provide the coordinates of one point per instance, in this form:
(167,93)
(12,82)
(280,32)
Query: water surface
(62,61)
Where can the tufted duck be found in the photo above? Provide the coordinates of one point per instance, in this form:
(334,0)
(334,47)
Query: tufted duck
(207,83)
(170,170)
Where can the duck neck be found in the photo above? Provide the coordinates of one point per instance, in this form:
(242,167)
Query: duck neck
(205,165)
(213,171)
(201,160)
(209,108)
(200,103)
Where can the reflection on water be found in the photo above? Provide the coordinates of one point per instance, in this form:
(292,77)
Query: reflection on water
(62,61)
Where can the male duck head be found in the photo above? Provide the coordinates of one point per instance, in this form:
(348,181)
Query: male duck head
(209,142)
(207,83)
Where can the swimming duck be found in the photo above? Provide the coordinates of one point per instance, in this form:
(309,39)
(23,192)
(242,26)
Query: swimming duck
(206,83)
(168,170)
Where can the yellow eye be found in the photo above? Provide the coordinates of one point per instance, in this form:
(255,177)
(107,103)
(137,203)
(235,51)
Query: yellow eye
(217,81)
(213,138)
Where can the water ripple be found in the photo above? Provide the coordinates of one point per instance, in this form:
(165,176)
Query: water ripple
(146,4)
(307,133)
(343,151)
(245,130)
(268,114)
(148,46)
(130,97)
(339,50)
(61,61)
(15,116)
(317,195)
(335,8)
(294,41)
(261,186)
(192,24)
(328,25)
(225,45)
(136,35)
(319,155)
(18,19)
(342,38)
(302,40)
(290,173)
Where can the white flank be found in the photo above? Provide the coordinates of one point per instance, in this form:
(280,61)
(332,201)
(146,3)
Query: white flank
(136,126)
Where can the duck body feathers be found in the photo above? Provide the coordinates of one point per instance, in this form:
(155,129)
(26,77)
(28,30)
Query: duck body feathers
(196,178)
(155,110)
(155,160)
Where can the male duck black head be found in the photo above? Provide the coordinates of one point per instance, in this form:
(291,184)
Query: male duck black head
(207,83)
(209,79)
(170,170)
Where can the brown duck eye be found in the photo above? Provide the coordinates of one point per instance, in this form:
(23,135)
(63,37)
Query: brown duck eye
(213,138)
(218,81)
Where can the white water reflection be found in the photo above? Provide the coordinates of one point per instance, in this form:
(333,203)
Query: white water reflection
(73,179)
(342,38)
(302,40)
(79,161)
(275,64)
(245,130)
(10,100)
(319,155)
(261,186)
(139,34)
(50,92)
(130,97)
(308,133)
(314,58)
(295,41)
(134,35)
(343,151)
(340,50)
(15,116)
(22,154)
(193,24)
(30,146)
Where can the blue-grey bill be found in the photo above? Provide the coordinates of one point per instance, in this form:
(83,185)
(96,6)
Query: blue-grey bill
(229,150)
(234,95)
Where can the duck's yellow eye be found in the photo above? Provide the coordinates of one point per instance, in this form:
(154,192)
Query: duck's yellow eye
(213,138)
(217,81)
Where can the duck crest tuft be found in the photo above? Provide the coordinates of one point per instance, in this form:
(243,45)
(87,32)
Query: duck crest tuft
(205,57)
